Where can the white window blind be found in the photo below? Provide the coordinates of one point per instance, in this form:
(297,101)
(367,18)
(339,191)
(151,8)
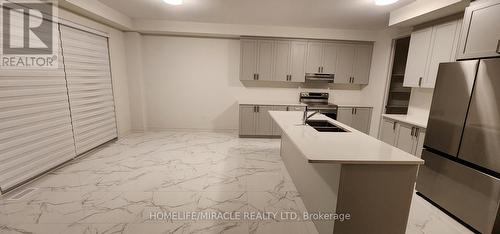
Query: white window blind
(86,62)
(35,126)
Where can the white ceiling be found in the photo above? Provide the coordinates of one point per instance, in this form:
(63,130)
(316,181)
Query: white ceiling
(344,14)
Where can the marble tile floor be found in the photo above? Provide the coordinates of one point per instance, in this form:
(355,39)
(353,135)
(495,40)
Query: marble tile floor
(117,188)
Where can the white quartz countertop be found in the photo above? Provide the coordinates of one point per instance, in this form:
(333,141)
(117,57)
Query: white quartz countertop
(270,103)
(352,147)
(407,119)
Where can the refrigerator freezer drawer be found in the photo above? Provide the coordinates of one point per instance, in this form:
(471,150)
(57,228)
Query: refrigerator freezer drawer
(468,194)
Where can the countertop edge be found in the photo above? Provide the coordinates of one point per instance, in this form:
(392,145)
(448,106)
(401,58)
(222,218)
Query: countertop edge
(366,162)
(415,123)
(418,161)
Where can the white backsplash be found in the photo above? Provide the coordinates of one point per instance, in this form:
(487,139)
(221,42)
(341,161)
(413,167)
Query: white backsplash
(420,103)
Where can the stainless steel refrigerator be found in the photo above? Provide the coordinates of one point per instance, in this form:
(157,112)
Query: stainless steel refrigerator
(462,145)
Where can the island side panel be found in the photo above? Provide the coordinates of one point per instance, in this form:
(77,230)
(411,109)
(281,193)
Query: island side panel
(317,184)
(378,197)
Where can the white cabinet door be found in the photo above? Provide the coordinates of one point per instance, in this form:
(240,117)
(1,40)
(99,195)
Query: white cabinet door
(405,141)
(418,53)
(345,62)
(298,61)
(248,66)
(314,57)
(345,115)
(329,58)
(264,121)
(361,119)
(419,146)
(481,30)
(247,120)
(265,60)
(362,64)
(388,134)
(282,60)
(443,41)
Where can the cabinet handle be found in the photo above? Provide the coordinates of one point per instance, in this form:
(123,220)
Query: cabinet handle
(412,129)
(290,79)
(258,109)
(353,79)
(287,108)
(257,76)
(419,81)
(352,111)
(498,47)
(394,126)
(416,132)
(319,69)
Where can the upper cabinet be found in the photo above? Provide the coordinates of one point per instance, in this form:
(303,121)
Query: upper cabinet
(298,61)
(248,66)
(257,59)
(290,57)
(265,60)
(353,64)
(289,60)
(321,57)
(429,47)
(480,36)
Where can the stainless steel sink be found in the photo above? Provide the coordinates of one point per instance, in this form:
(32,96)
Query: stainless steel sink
(324,126)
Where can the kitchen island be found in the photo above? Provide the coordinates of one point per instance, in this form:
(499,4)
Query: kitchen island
(348,173)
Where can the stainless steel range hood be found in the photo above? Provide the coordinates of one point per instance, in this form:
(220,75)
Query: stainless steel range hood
(315,77)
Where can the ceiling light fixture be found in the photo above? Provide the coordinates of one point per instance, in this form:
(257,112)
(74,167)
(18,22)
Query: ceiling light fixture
(173,2)
(384,2)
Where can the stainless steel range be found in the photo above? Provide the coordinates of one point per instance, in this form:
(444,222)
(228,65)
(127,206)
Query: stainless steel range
(319,102)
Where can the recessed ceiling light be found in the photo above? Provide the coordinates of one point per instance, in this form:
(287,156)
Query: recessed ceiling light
(384,2)
(173,2)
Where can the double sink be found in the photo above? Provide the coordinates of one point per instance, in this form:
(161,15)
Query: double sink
(324,126)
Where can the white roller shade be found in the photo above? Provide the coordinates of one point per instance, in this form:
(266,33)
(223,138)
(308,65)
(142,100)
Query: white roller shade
(87,67)
(35,125)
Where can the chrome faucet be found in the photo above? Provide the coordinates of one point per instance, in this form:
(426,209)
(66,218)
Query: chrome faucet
(305,117)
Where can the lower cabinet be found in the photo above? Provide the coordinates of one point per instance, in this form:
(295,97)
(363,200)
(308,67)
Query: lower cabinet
(358,118)
(255,120)
(404,136)
(389,131)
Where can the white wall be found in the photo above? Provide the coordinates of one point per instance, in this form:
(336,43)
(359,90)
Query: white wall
(118,68)
(136,81)
(192,82)
(420,103)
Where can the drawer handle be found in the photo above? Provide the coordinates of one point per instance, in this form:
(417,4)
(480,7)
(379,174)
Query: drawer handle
(420,81)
